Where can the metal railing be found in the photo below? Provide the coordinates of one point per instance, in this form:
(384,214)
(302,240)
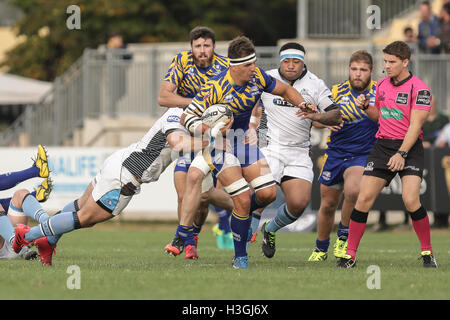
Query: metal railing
(347,18)
(103,83)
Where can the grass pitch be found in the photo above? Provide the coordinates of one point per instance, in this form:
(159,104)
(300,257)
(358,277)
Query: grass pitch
(118,261)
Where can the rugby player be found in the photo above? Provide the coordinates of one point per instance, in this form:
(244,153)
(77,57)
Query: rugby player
(402,104)
(119,179)
(287,151)
(345,156)
(188,71)
(240,88)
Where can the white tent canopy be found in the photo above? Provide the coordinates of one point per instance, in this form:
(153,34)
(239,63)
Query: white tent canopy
(19,90)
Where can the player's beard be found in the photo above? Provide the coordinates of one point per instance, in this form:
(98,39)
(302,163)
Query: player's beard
(203,63)
(359,88)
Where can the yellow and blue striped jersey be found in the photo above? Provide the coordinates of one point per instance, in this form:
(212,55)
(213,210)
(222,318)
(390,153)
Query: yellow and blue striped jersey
(240,99)
(357,136)
(188,77)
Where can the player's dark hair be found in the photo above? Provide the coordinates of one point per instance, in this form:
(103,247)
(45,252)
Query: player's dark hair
(292,45)
(426,3)
(400,49)
(362,56)
(202,32)
(240,47)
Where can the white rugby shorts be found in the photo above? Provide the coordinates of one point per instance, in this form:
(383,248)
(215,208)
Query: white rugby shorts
(113,183)
(289,161)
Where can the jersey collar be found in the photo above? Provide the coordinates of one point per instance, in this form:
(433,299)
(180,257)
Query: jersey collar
(401,82)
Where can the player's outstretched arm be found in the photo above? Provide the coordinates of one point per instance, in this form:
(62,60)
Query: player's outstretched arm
(184,143)
(168,98)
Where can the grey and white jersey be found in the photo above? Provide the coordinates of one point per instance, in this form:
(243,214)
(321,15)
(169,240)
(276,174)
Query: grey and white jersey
(150,156)
(284,126)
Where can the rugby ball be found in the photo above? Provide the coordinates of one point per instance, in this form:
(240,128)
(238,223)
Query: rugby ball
(215,114)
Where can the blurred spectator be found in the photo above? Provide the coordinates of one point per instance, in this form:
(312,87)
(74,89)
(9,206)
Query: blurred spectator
(116,73)
(444,28)
(410,37)
(428,30)
(431,128)
(443,140)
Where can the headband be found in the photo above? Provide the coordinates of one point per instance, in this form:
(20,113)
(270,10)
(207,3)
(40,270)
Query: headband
(247,59)
(292,53)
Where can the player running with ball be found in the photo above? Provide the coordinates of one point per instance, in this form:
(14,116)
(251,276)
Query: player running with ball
(239,87)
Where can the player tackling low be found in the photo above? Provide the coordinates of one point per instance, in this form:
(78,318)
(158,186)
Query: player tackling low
(402,103)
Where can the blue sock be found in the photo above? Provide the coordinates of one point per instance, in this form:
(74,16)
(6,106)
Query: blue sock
(240,226)
(6,228)
(196,229)
(71,206)
(33,209)
(5,203)
(224,219)
(11,179)
(186,233)
(56,225)
(254,203)
(323,245)
(256,218)
(283,218)
(342,230)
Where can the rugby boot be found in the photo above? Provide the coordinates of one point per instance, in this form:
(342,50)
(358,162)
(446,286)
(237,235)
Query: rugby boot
(46,251)
(176,247)
(19,239)
(340,247)
(318,255)
(240,262)
(429,261)
(44,189)
(190,252)
(346,262)
(268,242)
(41,162)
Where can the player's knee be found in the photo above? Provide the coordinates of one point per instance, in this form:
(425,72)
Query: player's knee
(18,197)
(411,202)
(267,195)
(194,177)
(297,206)
(242,202)
(351,195)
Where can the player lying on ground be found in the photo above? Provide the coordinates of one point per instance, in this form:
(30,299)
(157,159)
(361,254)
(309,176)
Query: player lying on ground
(119,179)
(11,215)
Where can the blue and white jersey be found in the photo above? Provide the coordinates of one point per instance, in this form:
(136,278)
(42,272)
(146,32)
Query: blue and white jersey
(149,157)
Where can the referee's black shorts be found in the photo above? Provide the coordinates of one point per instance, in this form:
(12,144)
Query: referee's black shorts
(384,149)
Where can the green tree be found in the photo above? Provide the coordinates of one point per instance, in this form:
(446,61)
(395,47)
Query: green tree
(50,47)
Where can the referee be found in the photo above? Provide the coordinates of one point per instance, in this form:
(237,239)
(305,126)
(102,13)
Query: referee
(402,104)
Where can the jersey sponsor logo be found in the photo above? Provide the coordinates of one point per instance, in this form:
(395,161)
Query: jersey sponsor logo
(345,100)
(173,118)
(382,96)
(423,98)
(228,98)
(281,102)
(391,113)
(326,175)
(402,98)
